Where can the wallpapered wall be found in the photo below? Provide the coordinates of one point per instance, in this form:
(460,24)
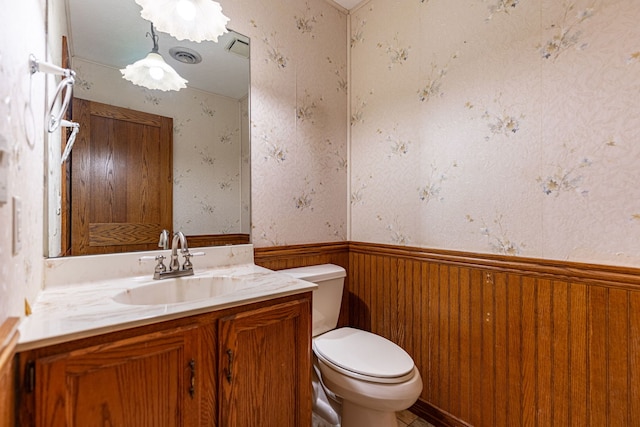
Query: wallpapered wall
(498,126)
(22,133)
(299,119)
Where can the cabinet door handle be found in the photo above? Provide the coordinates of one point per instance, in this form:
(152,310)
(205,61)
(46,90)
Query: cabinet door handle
(229,369)
(192,387)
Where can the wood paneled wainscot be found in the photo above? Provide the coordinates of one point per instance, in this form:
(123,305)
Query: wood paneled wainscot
(197,371)
(281,257)
(506,341)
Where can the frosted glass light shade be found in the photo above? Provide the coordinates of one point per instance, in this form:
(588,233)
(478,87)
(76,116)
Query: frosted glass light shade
(153,73)
(208,22)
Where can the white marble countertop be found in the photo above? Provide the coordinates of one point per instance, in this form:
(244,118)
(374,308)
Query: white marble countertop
(63,313)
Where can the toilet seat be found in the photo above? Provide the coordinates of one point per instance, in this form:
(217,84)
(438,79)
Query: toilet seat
(363,355)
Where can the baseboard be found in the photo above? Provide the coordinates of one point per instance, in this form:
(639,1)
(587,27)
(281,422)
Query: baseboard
(435,416)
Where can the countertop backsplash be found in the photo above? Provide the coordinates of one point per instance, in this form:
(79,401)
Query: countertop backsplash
(81,270)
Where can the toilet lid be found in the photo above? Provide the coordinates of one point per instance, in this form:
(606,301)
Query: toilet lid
(363,354)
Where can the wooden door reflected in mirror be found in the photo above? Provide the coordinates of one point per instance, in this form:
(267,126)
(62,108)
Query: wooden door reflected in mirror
(121,179)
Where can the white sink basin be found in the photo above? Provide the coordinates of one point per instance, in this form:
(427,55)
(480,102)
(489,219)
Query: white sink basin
(180,290)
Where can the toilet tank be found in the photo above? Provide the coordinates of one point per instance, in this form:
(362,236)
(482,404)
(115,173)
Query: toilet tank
(327,298)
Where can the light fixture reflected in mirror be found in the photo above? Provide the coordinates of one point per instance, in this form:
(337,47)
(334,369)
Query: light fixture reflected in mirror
(195,20)
(153,72)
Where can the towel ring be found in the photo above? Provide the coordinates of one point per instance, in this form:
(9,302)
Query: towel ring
(64,89)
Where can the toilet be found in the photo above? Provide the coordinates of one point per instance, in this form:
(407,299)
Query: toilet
(360,379)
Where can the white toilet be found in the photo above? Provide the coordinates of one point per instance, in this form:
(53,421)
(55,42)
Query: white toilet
(362,379)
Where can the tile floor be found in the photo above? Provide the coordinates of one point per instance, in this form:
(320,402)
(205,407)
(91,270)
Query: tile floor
(409,419)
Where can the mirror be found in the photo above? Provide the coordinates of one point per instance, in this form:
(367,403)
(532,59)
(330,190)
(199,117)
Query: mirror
(211,157)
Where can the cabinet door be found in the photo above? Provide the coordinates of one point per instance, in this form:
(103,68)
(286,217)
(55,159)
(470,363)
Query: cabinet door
(140,382)
(8,342)
(265,366)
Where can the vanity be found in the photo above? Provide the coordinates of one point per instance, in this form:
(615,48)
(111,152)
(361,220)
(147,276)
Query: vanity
(107,345)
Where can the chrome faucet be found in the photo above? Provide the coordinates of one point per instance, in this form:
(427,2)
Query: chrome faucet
(164,239)
(175,270)
(184,249)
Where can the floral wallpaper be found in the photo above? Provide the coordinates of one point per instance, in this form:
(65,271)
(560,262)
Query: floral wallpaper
(497,126)
(298,119)
(22,133)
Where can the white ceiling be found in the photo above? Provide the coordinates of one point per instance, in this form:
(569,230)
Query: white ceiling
(348,4)
(113,33)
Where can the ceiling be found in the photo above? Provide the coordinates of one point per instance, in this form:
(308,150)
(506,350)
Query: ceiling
(113,33)
(348,4)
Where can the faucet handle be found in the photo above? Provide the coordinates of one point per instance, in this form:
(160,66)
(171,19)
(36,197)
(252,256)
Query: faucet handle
(187,259)
(160,267)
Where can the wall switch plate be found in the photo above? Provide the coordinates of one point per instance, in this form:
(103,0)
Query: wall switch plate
(17,225)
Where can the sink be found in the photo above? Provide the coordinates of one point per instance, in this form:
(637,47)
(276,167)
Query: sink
(180,290)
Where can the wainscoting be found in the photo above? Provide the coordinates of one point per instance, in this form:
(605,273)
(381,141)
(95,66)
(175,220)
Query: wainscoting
(499,341)
(202,240)
(279,258)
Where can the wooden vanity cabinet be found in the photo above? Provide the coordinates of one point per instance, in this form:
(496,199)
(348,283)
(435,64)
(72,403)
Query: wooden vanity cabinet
(178,373)
(140,381)
(264,361)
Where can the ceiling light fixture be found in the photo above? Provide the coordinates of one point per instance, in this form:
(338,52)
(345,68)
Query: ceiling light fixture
(152,71)
(195,20)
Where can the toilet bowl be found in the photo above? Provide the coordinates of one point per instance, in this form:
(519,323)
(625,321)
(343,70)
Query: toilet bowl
(364,377)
